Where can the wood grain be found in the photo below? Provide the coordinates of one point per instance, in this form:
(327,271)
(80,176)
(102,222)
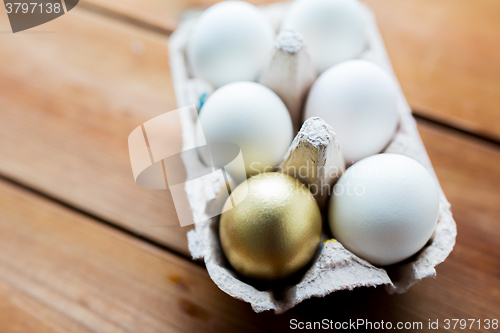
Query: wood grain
(444,52)
(445,56)
(69,99)
(162,14)
(63,272)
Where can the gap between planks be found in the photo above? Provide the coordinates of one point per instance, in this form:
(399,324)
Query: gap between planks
(430,120)
(124,18)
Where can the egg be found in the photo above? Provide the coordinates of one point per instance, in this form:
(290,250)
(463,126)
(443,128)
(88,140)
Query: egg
(253,117)
(384,208)
(359,100)
(231,41)
(333,30)
(274,231)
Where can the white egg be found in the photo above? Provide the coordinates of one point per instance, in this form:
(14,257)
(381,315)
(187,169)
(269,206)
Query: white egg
(359,100)
(252,116)
(333,30)
(384,208)
(232,41)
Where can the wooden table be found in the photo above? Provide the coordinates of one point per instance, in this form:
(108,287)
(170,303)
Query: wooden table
(83,249)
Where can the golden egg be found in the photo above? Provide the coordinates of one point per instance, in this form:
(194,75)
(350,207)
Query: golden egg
(275,229)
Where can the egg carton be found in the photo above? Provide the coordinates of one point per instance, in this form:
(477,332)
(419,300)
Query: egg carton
(334,268)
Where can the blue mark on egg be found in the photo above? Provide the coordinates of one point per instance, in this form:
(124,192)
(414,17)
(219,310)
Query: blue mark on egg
(203,98)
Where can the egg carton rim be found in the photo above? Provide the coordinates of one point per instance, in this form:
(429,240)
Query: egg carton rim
(203,240)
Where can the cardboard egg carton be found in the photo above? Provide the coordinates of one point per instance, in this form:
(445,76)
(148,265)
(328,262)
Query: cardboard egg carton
(290,75)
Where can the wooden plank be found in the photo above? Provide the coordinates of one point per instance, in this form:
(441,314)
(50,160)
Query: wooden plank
(444,52)
(445,56)
(69,100)
(63,272)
